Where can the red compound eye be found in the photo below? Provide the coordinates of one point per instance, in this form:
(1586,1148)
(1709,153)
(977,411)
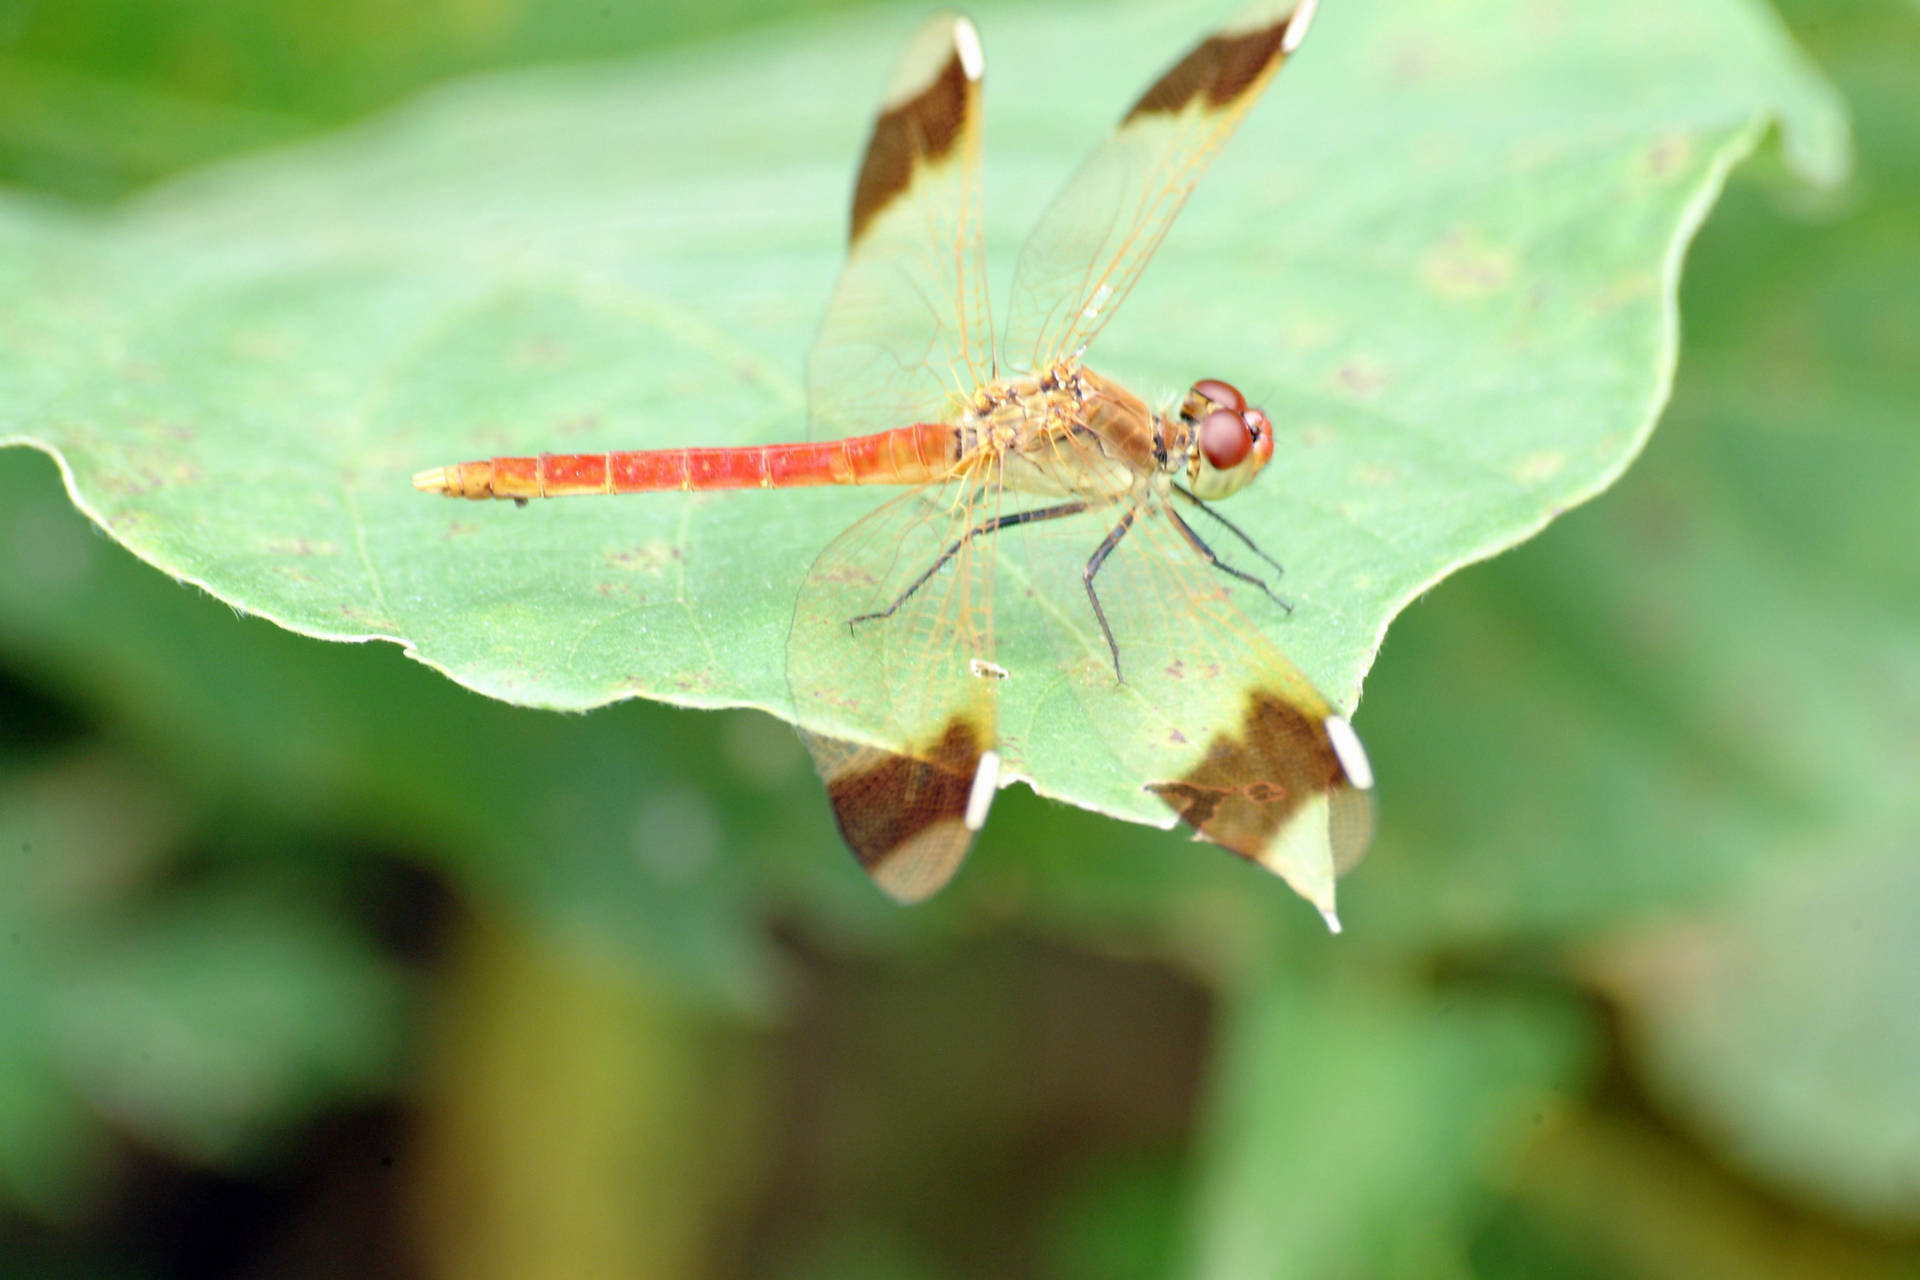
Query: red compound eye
(1224,394)
(1225,438)
(1262,427)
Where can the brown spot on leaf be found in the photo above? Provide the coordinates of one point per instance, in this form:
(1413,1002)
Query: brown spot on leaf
(301,547)
(1632,288)
(263,344)
(542,351)
(1316,435)
(1668,156)
(1361,376)
(1538,467)
(1466,264)
(651,558)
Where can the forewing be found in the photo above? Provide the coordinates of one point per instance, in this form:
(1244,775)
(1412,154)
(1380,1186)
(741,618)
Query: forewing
(1095,238)
(896,683)
(907,334)
(1207,713)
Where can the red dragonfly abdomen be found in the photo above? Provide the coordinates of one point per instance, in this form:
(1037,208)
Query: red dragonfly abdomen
(923,452)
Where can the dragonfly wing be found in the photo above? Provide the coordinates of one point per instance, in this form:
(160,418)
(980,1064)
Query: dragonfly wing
(907,334)
(1095,238)
(890,662)
(904,815)
(1207,713)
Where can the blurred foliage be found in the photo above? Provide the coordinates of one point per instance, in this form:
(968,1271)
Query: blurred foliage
(100,96)
(311,963)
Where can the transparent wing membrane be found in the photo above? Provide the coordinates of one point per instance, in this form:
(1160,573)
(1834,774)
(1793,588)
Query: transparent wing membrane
(1206,712)
(891,659)
(907,335)
(892,641)
(1095,238)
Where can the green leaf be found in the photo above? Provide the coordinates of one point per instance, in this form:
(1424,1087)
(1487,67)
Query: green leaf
(1445,250)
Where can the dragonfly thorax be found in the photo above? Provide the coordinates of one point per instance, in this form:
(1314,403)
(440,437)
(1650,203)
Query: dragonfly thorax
(1064,430)
(1068,430)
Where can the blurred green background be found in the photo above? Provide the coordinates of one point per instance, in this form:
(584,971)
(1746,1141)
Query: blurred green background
(1629,987)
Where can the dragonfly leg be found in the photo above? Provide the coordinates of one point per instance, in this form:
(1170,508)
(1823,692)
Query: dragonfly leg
(1231,528)
(1186,531)
(980,530)
(1100,555)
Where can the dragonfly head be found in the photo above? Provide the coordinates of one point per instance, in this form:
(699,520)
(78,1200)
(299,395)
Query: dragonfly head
(1228,443)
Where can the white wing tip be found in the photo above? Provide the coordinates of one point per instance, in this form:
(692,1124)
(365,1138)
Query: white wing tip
(1332,918)
(1297,23)
(986,781)
(1352,756)
(966,42)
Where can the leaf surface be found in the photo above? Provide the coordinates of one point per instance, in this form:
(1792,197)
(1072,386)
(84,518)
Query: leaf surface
(1444,252)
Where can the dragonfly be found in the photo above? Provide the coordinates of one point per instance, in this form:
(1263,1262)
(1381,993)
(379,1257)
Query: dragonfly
(1006,436)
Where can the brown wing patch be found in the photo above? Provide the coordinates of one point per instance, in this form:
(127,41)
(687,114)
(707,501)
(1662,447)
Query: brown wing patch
(909,329)
(1220,68)
(904,816)
(1254,780)
(1099,233)
(920,130)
